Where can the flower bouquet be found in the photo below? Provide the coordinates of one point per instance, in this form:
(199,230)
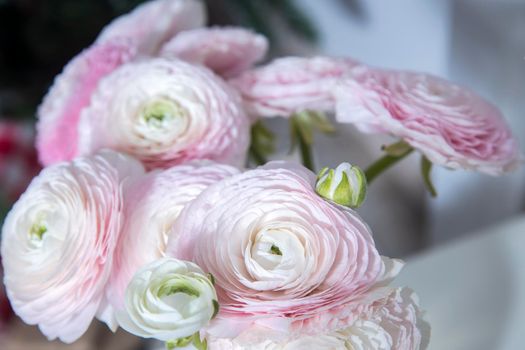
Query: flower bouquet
(145,218)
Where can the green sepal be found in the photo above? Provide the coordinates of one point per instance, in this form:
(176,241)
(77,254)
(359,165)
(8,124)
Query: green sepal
(215,308)
(323,188)
(200,344)
(343,192)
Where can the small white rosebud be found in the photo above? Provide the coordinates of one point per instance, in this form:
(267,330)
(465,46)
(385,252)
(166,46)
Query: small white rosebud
(169,300)
(344,185)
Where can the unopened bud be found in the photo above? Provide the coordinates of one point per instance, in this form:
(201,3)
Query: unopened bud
(344,185)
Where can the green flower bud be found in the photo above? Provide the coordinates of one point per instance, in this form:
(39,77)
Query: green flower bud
(344,185)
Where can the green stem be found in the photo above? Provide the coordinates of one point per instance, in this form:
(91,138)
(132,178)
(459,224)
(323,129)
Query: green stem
(306,151)
(382,164)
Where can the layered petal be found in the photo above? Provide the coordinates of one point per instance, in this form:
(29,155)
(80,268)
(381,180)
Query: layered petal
(227,51)
(58,242)
(278,251)
(168,299)
(390,320)
(450,125)
(59,113)
(153,23)
(292,84)
(166,112)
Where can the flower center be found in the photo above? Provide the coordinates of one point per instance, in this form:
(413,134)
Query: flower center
(37,231)
(275,250)
(179,286)
(162,114)
(266,250)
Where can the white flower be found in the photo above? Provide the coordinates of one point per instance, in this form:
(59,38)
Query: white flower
(168,299)
(346,185)
(58,242)
(166,112)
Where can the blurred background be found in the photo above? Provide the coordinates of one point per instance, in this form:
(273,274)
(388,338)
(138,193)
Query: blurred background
(476,43)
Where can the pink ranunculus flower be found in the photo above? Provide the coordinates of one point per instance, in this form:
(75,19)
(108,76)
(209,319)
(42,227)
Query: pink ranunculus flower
(153,204)
(153,23)
(57,128)
(227,51)
(450,125)
(393,321)
(140,33)
(58,242)
(292,84)
(166,112)
(279,252)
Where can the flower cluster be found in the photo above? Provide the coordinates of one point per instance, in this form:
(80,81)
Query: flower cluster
(145,219)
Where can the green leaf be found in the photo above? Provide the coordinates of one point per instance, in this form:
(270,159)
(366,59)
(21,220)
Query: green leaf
(426,167)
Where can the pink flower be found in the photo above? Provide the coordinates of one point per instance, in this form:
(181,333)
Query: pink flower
(166,112)
(450,125)
(153,205)
(58,242)
(57,128)
(153,23)
(393,321)
(292,84)
(227,51)
(277,250)
(139,33)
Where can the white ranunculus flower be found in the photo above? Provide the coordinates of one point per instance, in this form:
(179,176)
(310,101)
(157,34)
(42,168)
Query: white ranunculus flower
(168,299)
(58,242)
(165,113)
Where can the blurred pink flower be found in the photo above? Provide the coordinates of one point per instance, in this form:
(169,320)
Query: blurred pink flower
(58,242)
(152,24)
(227,51)
(137,34)
(449,124)
(153,204)
(292,84)
(71,92)
(166,112)
(277,250)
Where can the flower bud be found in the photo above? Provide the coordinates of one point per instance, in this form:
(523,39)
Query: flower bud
(344,185)
(169,300)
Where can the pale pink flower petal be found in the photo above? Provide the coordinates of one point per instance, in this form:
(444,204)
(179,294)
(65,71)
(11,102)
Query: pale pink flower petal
(277,250)
(166,112)
(389,320)
(227,51)
(57,128)
(153,204)
(292,84)
(153,23)
(449,124)
(58,242)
